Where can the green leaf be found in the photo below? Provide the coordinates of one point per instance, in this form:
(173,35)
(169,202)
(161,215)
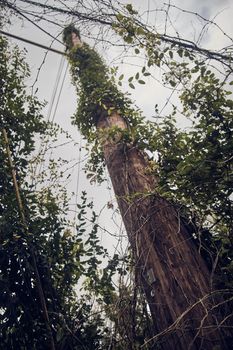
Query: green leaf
(170,54)
(59,334)
(128,39)
(172,83)
(141,82)
(129,8)
(119,17)
(140,31)
(121,77)
(180,52)
(132,86)
(203,69)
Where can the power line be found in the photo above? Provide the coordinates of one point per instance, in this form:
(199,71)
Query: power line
(32,43)
(55,89)
(41,18)
(42,147)
(80,16)
(60,91)
(29,20)
(55,109)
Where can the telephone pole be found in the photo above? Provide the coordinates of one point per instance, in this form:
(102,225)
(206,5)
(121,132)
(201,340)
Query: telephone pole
(169,267)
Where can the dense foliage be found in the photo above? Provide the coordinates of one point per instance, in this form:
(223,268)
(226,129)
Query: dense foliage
(62,257)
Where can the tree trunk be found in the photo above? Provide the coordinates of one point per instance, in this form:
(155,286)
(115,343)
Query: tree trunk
(173,275)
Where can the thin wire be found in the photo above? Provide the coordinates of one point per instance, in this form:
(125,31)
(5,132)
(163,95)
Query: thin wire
(80,16)
(33,43)
(43,62)
(43,19)
(31,21)
(54,93)
(58,78)
(60,91)
(55,111)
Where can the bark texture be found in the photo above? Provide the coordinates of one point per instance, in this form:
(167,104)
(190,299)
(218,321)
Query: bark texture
(169,267)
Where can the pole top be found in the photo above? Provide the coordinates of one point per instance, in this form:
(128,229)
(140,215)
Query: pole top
(71,37)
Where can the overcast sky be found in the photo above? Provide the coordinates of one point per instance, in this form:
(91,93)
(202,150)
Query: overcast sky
(144,96)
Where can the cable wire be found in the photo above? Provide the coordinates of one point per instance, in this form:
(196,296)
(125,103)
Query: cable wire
(55,88)
(32,43)
(60,91)
(42,147)
(31,21)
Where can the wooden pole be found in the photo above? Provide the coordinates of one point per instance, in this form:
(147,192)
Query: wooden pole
(169,268)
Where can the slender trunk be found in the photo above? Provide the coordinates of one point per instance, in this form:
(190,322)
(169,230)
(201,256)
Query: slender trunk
(169,268)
